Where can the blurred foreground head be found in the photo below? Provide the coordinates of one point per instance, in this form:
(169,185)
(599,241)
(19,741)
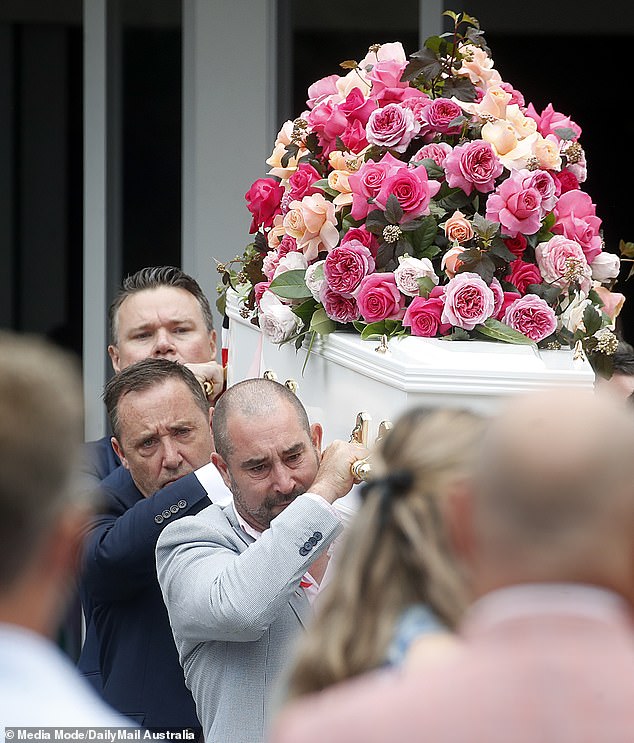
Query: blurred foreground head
(40,436)
(553,496)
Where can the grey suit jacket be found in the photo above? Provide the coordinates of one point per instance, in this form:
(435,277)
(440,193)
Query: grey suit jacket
(235,606)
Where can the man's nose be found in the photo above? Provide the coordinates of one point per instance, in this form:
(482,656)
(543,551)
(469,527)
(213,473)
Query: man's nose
(283,479)
(163,344)
(171,454)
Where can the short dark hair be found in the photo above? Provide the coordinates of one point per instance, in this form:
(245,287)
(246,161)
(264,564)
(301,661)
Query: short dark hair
(143,375)
(251,397)
(153,277)
(623,359)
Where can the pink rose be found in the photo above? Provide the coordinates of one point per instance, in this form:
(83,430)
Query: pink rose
(413,190)
(577,220)
(473,164)
(516,208)
(516,96)
(549,120)
(386,74)
(354,136)
(328,121)
(612,301)
(321,89)
(517,245)
(498,295)
(543,182)
(436,151)
(259,289)
(287,245)
(415,100)
(507,300)
(379,298)
(363,236)
(367,181)
(301,182)
(561,261)
(263,201)
(357,107)
(423,317)
(339,308)
(532,316)
(522,274)
(468,301)
(346,265)
(392,126)
(439,115)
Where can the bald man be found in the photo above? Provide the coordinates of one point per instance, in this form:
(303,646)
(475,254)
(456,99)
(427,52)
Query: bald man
(237,581)
(547,533)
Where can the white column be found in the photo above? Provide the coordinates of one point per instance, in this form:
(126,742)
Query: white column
(430,19)
(95,238)
(229,103)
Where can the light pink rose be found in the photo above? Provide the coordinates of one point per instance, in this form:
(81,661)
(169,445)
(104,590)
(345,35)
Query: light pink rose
(549,120)
(277,321)
(367,182)
(522,274)
(436,151)
(605,266)
(346,265)
(532,316)
(423,316)
(315,279)
(321,90)
(543,182)
(410,270)
(338,307)
(473,164)
(416,101)
(577,220)
(386,74)
(413,190)
(558,257)
(269,264)
(516,208)
(468,301)
(379,298)
(290,262)
(392,126)
(320,222)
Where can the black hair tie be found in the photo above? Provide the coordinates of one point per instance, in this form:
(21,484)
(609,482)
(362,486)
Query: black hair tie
(394,485)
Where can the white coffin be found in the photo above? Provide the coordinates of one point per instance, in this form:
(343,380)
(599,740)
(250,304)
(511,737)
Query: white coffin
(345,375)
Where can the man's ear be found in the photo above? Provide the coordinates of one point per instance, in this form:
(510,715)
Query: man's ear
(212,344)
(113,352)
(211,428)
(119,452)
(316,434)
(221,466)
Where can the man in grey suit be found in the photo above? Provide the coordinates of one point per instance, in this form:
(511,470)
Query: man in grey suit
(237,580)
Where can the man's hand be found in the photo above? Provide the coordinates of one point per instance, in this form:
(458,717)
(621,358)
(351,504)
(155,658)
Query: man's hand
(210,371)
(334,478)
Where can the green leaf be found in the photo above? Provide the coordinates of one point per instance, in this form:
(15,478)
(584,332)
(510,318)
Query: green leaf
(498,331)
(393,210)
(423,62)
(321,323)
(592,320)
(372,330)
(550,294)
(486,229)
(565,132)
(458,334)
(498,247)
(375,221)
(425,285)
(461,88)
(423,238)
(306,309)
(291,285)
(434,171)
(626,249)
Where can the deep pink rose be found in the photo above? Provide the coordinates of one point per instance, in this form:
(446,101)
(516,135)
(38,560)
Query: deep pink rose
(321,89)
(354,136)
(423,317)
(288,244)
(263,201)
(339,308)
(516,208)
(346,265)
(517,245)
(549,120)
(516,96)
(577,220)
(532,316)
(439,115)
(508,299)
(468,301)
(393,126)
(567,181)
(473,164)
(522,274)
(367,181)
(379,298)
(363,236)
(356,107)
(329,122)
(259,290)
(436,151)
(301,182)
(498,295)
(413,190)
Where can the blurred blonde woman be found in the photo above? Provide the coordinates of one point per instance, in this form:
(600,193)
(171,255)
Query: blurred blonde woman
(395,579)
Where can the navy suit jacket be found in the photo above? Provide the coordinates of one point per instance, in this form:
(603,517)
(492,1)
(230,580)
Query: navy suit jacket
(99,461)
(140,671)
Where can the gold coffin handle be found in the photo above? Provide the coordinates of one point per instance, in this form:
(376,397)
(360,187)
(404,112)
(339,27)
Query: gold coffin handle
(360,433)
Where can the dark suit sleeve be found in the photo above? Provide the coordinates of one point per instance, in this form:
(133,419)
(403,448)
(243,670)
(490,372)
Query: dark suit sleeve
(97,462)
(119,548)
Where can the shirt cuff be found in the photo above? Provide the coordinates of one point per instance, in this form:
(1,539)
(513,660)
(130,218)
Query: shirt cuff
(211,480)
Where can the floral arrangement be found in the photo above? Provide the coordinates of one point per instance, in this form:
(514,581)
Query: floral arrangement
(425,197)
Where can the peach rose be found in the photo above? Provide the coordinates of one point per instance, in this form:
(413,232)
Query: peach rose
(277,232)
(458,228)
(275,160)
(450,262)
(294,221)
(501,135)
(612,301)
(479,66)
(523,125)
(320,225)
(547,153)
